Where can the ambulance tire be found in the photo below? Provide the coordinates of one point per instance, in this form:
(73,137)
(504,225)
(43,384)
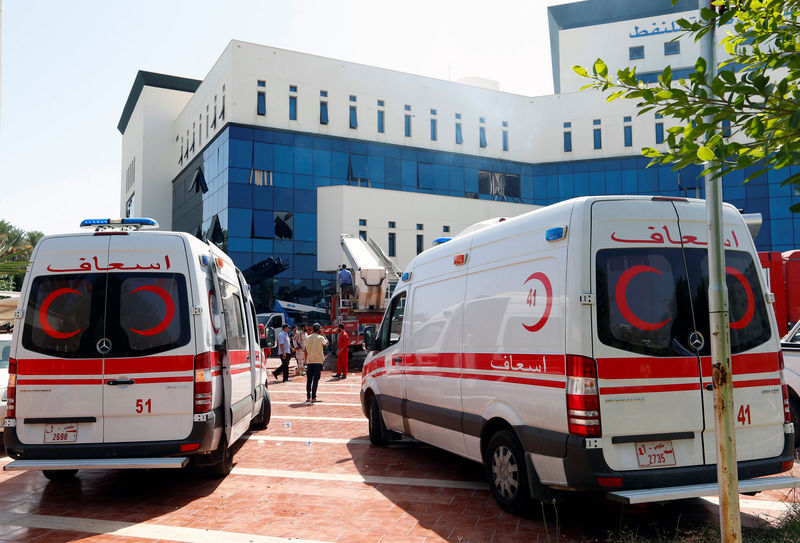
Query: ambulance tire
(507,474)
(264,414)
(224,467)
(377,429)
(59,475)
(794,410)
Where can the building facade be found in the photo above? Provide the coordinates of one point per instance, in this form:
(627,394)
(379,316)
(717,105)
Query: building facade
(245,157)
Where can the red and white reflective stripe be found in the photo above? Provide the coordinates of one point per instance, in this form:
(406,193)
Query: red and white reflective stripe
(520,368)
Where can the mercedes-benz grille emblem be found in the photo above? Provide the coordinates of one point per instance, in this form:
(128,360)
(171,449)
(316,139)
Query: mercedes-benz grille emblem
(104,346)
(696,340)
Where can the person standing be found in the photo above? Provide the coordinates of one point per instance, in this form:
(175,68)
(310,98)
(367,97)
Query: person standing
(314,359)
(285,351)
(299,341)
(345,280)
(342,353)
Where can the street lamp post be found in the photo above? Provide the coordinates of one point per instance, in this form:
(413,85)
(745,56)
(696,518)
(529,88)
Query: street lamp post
(719,319)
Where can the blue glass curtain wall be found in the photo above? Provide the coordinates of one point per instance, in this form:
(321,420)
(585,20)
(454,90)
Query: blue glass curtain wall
(260,200)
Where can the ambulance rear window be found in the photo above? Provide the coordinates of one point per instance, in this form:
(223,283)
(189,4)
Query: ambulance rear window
(139,313)
(152,312)
(649,300)
(64,315)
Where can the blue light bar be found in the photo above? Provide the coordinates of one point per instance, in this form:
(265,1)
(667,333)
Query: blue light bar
(130,223)
(141,221)
(406,276)
(439,241)
(93,222)
(555,233)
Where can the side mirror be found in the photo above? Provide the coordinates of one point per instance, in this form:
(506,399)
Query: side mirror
(370,338)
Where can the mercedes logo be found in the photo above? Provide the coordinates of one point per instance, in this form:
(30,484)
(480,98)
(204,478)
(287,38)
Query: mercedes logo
(104,346)
(696,340)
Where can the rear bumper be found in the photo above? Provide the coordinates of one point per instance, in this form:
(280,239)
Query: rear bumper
(202,433)
(98,463)
(585,467)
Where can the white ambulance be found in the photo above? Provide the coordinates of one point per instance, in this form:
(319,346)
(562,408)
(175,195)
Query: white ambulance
(567,349)
(132,350)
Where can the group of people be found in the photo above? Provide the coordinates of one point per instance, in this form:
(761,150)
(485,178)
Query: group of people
(307,347)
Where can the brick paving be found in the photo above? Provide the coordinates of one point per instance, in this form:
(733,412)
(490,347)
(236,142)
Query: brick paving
(257,503)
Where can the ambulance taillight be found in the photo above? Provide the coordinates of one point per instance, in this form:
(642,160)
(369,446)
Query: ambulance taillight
(11,392)
(787,412)
(203,364)
(583,398)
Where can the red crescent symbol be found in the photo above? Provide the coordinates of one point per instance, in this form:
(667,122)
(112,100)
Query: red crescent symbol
(161,326)
(45,324)
(548,290)
(622,303)
(751,306)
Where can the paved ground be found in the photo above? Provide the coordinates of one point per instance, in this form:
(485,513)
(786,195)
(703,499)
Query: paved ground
(313,476)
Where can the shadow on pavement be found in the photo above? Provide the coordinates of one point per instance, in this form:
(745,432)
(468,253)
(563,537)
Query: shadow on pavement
(461,514)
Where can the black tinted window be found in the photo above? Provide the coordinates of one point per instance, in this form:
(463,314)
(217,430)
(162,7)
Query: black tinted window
(143,313)
(392,325)
(151,310)
(648,303)
(64,315)
(232,313)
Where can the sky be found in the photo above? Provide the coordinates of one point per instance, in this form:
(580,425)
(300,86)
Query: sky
(67,69)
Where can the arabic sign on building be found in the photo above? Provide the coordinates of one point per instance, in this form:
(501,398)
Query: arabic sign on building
(659,27)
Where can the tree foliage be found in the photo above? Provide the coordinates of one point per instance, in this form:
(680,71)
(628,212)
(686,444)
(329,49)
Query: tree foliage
(15,250)
(748,114)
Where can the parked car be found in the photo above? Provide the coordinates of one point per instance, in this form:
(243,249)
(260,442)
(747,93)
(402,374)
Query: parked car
(5,355)
(790,343)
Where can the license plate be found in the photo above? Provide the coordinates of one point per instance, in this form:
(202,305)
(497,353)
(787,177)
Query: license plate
(60,433)
(655,454)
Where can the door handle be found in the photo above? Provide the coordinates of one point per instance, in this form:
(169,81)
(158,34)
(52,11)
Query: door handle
(709,387)
(397,359)
(115,382)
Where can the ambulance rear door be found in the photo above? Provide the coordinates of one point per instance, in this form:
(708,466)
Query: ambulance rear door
(59,368)
(646,337)
(149,361)
(754,342)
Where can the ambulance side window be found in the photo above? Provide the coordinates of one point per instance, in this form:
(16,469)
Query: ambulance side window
(232,314)
(392,326)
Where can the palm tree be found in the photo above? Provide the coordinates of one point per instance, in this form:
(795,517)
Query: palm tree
(15,248)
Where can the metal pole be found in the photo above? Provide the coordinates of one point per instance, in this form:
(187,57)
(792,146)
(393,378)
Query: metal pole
(2,20)
(727,475)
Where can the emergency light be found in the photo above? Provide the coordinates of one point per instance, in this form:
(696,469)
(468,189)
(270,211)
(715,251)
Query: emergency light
(439,241)
(556,233)
(128,223)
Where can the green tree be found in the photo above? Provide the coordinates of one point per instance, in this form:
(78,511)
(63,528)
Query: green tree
(15,250)
(746,116)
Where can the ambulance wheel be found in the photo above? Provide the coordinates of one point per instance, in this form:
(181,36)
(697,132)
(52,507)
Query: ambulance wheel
(264,414)
(377,429)
(505,470)
(794,410)
(59,475)
(225,465)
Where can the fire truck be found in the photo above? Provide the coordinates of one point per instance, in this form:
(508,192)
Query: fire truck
(374,276)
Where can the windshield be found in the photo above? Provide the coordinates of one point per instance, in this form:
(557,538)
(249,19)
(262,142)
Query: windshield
(5,353)
(649,301)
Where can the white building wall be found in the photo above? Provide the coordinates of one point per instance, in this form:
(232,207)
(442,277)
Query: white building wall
(148,144)
(611,42)
(339,209)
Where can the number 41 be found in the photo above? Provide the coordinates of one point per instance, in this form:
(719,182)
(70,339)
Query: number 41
(744,415)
